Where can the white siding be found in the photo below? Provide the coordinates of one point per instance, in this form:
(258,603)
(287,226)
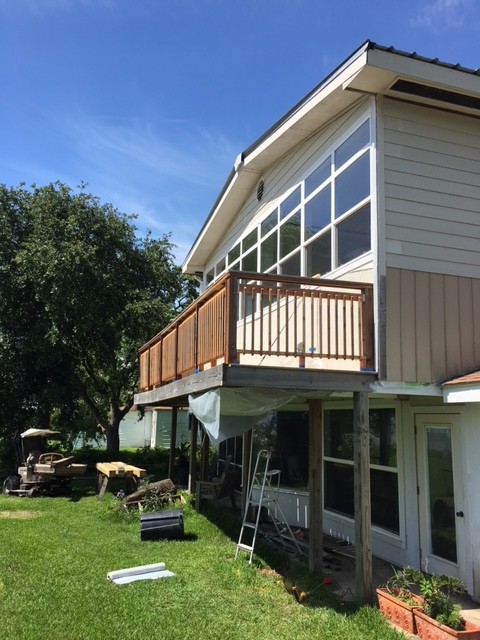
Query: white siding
(432,190)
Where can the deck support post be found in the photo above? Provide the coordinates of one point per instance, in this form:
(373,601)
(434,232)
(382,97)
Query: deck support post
(204,451)
(246,463)
(362,498)
(315,483)
(192,470)
(173,441)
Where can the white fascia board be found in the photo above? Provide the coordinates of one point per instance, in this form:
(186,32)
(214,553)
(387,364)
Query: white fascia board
(461,393)
(406,388)
(219,221)
(327,102)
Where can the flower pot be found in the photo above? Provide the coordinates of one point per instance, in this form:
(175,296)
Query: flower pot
(430,629)
(398,611)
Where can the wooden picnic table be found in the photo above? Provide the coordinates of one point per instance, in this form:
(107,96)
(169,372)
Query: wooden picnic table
(107,470)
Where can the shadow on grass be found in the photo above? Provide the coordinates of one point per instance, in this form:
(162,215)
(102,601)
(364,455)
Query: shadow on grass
(313,590)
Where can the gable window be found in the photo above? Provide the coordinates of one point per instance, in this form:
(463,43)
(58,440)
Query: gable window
(338,465)
(322,223)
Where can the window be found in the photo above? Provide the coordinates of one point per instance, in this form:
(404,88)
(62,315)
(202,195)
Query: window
(290,203)
(268,252)
(249,261)
(285,434)
(317,212)
(290,235)
(317,177)
(323,223)
(338,465)
(318,255)
(353,235)
(353,185)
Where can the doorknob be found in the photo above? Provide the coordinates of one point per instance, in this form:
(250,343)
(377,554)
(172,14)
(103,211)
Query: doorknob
(460,514)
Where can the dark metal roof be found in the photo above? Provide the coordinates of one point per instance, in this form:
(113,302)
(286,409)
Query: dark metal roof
(415,56)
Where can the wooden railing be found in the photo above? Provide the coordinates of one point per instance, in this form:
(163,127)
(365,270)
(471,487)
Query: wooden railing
(261,319)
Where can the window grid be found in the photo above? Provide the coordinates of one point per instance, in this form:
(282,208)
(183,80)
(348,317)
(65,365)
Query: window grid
(274,223)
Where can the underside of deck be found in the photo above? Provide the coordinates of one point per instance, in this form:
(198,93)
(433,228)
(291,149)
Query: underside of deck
(311,383)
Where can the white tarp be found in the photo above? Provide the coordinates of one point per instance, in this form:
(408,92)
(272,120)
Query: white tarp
(226,413)
(146,572)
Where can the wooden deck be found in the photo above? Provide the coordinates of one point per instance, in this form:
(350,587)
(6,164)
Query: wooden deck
(265,321)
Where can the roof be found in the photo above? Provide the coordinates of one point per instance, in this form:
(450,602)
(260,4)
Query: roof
(462,389)
(469,378)
(372,69)
(39,433)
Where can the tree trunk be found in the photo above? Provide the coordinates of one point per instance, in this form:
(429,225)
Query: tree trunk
(112,434)
(113,438)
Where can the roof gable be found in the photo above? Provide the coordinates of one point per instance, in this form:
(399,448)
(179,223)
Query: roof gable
(371,69)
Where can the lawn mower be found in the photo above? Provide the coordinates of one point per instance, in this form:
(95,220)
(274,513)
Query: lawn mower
(41,471)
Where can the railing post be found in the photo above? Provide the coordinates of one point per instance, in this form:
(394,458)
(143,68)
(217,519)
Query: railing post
(231,306)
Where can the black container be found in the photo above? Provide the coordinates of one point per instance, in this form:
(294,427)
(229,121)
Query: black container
(164,524)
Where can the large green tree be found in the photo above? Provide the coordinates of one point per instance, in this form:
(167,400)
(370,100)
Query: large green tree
(80,292)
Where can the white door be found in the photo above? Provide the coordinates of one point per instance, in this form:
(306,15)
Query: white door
(440,495)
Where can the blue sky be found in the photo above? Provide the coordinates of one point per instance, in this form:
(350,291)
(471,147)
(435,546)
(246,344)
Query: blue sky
(150,101)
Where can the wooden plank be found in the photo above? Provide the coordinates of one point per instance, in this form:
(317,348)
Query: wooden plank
(437,327)
(129,470)
(106,469)
(393,325)
(407,318)
(423,324)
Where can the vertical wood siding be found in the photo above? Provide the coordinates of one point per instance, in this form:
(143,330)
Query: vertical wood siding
(433,325)
(432,190)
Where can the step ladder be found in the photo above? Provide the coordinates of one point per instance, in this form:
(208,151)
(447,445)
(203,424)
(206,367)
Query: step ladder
(266,483)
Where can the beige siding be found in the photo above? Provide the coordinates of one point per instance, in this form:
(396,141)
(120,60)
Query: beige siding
(432,190)
(433,326)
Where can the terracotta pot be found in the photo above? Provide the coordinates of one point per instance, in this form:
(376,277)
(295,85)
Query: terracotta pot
(430,629)
(398,611)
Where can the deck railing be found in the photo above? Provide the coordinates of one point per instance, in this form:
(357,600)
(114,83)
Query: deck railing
(260,319)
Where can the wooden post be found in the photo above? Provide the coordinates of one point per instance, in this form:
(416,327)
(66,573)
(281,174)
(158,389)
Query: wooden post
(362,499)
(246,458)
(193,455)
(204,451)
(315,482)
(173,441)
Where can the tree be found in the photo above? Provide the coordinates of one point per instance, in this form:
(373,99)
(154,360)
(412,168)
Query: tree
(80,293)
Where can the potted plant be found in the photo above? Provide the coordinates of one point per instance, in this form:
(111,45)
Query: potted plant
(440,616)
(397,600)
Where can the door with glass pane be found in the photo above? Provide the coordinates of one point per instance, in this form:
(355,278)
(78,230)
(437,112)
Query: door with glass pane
(440,497)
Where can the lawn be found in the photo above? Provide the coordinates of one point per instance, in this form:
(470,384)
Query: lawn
(55,554)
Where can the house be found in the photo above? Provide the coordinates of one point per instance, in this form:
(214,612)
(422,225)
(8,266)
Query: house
(340,312)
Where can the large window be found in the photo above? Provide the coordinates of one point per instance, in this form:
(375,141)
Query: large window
(338,465)
(285,434)
(322,223)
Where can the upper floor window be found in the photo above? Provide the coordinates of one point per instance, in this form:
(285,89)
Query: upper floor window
(322,223)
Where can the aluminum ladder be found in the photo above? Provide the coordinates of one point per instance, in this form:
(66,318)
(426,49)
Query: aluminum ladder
(266,481)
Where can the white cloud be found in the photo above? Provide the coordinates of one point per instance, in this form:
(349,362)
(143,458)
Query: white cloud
(441,15)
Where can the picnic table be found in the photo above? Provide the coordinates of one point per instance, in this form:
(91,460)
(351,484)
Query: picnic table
(107,470)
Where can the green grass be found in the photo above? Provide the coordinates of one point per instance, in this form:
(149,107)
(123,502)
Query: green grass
(53,584)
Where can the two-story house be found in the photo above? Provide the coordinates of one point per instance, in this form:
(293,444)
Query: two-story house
(340,311)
